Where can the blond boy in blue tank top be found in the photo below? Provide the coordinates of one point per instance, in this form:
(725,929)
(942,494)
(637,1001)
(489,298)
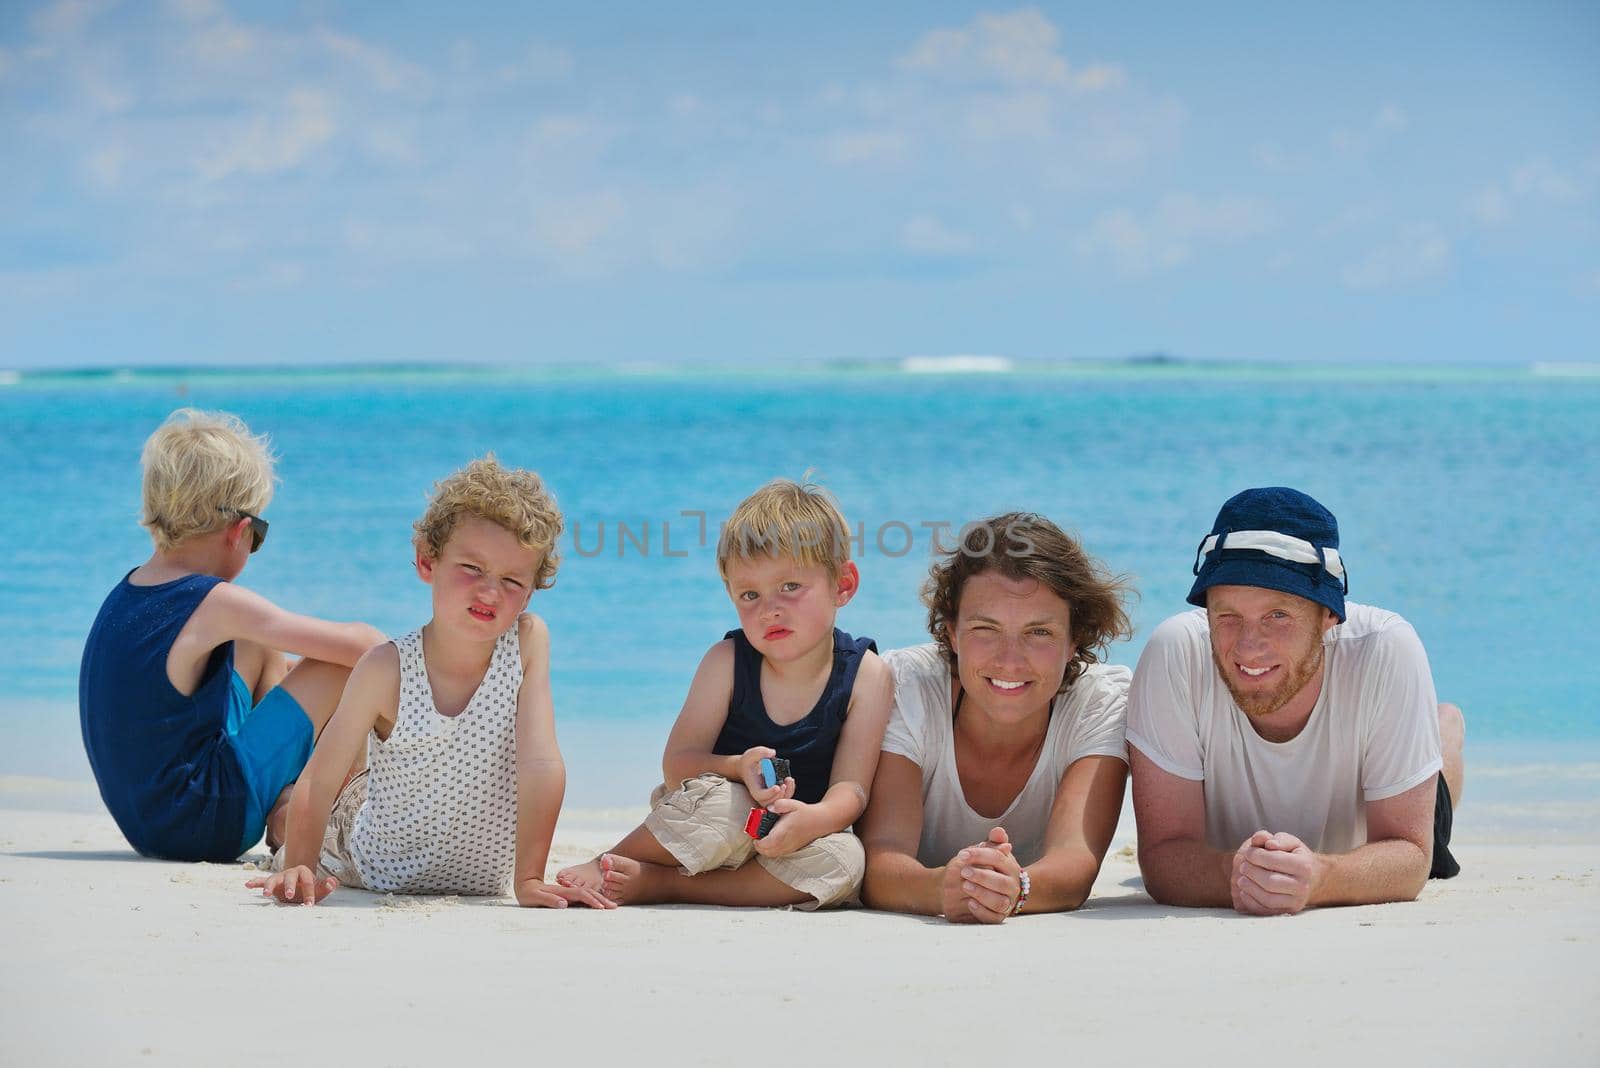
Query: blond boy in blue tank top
(464,778)
(194,718)
(786,684)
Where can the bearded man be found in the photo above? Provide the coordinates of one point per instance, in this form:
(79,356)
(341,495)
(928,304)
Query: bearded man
(1288,750)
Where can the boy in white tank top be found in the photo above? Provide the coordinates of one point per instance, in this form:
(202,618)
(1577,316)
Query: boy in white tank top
(464,779)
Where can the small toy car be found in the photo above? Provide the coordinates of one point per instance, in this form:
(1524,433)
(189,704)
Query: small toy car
(773,771)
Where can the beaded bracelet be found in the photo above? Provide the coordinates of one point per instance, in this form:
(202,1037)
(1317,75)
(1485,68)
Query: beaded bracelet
(1025,885)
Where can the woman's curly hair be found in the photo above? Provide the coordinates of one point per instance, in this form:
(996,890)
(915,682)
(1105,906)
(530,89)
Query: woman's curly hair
(1021,545)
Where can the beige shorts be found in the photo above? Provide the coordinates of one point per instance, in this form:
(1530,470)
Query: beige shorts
(701,823)
(335,859)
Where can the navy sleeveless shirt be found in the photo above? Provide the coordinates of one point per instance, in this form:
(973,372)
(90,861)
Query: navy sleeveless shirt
(808,744)
(162,761)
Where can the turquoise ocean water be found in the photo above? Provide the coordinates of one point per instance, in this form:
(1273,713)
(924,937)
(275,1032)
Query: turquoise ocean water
(1468,501)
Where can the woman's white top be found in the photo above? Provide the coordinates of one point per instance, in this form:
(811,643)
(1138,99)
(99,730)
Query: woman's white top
(441,809)
(1088,720)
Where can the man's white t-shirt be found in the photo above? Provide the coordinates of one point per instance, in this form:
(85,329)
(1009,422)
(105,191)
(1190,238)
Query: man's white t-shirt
(1374,732)
(1087,720)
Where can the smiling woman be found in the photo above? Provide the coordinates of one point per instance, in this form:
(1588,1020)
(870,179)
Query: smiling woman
(1003,765)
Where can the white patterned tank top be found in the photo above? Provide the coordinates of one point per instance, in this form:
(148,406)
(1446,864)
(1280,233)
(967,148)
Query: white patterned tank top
(441,809)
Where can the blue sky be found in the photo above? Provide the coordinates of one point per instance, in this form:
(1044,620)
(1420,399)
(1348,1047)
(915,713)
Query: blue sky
(312,183)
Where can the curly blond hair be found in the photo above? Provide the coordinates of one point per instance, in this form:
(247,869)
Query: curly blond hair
(510,497)
(201,469)
(798,521)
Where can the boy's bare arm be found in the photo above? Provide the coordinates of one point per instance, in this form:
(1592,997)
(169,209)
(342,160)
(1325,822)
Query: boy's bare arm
(369,701)
(232,612)
(855,761)
(704,712)
(541,777)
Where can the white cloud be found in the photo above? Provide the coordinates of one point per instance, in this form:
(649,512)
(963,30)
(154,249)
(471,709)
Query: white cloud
(1273,157)
(566,145)
(539,63)
(1024,115)
(694,229)
(194,94)
(227,109)
(104,93)
(1134,247)
(577,225)
(1420,251)
(1351,218)
(51,282)
(231,60)
(69,18)
(276,274)
(1537,181)
(1170,234)
(382,69)
(1018,49)
(1389,122)
(927,236)
(867,146)
(1489,205)
(1541,179)
(105,166)
(1390,119)
(272,143)
(224,45)
(546,62)
(414,240)
(1099,78)
(392,142)
(1122,138)
(566,131)
(195,10)
(833,94)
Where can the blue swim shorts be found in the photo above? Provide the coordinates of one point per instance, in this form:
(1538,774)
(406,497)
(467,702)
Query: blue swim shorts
(273,742)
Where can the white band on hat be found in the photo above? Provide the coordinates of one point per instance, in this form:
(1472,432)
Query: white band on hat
(1280,545)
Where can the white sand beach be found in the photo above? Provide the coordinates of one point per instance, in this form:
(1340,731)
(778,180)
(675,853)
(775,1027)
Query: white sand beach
(113,959)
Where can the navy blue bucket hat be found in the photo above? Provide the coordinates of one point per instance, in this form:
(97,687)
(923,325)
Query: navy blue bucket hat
(1276,538)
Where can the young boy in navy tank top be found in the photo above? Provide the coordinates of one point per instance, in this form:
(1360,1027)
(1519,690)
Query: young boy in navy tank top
(193,721)
(464,779)
(786,684)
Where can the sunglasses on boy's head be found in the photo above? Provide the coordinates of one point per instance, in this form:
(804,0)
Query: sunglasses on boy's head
(258,526)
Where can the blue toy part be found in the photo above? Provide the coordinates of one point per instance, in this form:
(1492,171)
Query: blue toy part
(773,771)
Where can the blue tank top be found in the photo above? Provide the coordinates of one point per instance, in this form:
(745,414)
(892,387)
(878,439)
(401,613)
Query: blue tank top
(165,770)
(808,744)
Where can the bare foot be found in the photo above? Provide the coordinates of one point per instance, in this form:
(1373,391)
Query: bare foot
(634,882)
(587,876)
